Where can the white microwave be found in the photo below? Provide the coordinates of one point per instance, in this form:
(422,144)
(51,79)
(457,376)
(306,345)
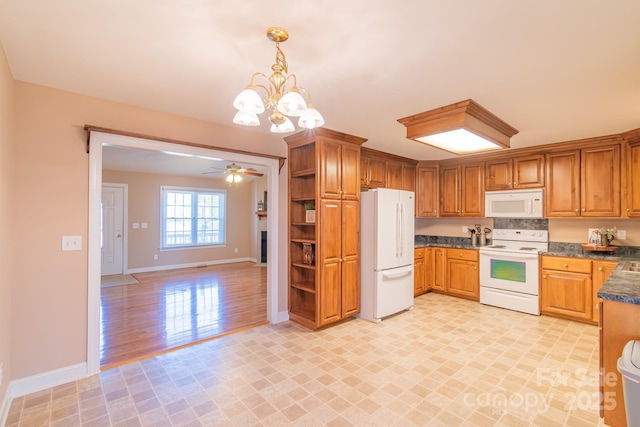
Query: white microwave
(513,204)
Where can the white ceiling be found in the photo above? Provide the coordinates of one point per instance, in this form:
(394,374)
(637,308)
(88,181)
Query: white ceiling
(554,69)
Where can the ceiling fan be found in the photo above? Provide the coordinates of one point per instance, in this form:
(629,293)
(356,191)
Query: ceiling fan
(234,172)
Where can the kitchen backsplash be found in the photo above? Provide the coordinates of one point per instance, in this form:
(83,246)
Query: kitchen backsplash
(521,223)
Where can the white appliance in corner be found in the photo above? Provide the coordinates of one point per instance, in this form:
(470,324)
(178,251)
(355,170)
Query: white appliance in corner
(386,246)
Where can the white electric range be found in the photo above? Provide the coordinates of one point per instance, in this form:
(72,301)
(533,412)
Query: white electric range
(509,269)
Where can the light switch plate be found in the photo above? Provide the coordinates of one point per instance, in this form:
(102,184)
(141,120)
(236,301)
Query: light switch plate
(71,243)
(136,225)
(144,225)
(622,234)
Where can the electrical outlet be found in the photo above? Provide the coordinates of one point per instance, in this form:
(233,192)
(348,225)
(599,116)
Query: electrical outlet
(155,257)
(465,229)
(235,250)
(622,234)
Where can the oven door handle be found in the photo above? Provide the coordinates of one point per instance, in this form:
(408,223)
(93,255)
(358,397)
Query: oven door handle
(508,254)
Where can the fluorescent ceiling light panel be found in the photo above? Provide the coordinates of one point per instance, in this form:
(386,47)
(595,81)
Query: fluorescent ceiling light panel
(459,141)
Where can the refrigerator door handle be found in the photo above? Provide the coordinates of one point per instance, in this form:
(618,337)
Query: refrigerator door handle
(398,274)
(401,229)
(397,228)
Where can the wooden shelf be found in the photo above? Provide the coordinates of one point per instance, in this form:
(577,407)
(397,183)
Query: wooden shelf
(305,286)
(312,241)
(301,265)
(261,214)
(303,223)
(306,172)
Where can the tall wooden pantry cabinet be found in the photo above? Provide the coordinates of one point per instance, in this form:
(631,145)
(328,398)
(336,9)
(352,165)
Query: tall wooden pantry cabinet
(324,226)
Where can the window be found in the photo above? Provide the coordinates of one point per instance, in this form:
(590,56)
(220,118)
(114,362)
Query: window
(193,217)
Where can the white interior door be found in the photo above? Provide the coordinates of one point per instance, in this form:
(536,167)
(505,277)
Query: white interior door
(112,230)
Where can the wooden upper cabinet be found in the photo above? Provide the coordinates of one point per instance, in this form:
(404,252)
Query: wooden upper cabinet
(427,192)
(450,188)
(394,175)
(600,181)
(462,190)
(632,175)
(472,195)
(562,192)
(515,173)
(373,172)
(408,178)
(584,182)
(339,170)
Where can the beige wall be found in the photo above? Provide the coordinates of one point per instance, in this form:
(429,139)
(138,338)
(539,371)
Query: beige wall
(449,226)
(51,187)
(575,230)
(7,138)
(144,206)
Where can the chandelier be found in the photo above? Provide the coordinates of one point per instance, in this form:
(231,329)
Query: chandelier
(284,102)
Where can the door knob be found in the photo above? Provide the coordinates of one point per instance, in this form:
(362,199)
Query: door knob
(119,235)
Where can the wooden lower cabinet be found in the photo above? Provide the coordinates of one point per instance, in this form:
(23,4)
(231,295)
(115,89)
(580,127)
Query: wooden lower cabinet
(566,288)
(618,326)
(439,269)
(418,272)
(601,272)
(463,279)
(454,272)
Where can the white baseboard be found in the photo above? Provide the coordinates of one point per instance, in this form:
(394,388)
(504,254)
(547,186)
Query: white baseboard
(191,264)
(46,380)
(283,316)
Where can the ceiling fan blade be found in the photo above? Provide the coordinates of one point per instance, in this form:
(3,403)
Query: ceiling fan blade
(252,173)
(206,173)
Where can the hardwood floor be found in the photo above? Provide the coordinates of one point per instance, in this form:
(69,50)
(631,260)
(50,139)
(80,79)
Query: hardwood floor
(173,308)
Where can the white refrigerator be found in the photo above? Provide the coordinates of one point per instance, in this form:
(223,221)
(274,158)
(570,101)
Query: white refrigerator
(387,247)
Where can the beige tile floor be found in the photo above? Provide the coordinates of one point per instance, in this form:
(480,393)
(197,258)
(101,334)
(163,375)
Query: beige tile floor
(448,362)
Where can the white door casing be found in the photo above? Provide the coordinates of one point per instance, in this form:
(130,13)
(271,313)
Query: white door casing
(113,231)
(97,139)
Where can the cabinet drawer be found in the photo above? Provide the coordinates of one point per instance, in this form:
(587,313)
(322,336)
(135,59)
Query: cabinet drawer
(466,254)
(418,253)
(576,265)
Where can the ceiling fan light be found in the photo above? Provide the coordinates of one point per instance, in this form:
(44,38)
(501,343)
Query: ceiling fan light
(311,118)
(292,104)
(246,119)
(284,127)
(248,101)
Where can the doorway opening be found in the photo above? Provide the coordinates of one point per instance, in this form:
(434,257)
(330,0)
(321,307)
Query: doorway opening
(100,139)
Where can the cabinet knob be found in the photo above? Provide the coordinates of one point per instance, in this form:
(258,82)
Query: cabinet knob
(544,276)
(577,210)
(460,254)
(475,268)
(628,210)
(599,268)
(583,209)
(566,265)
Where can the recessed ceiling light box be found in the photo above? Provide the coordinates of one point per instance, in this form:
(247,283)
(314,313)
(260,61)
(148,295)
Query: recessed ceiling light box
(461,128)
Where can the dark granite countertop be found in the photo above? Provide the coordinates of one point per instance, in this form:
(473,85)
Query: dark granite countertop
(622,286)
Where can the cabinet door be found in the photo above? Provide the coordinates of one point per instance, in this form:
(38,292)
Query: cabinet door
(427,194)
(450,191)
(375,171)
(472,194)
(601,272)
(394,175)
(418,272)
(350,287)
(350,173)
(330,169)
(498,174)
(566,294)
(429,269)
(329,253)
(528,171)
(439,269)
(600,179)
(562,192)
(632,189)
(463,279)
(408,178)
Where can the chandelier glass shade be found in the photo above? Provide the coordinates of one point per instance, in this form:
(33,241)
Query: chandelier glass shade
(283,101)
